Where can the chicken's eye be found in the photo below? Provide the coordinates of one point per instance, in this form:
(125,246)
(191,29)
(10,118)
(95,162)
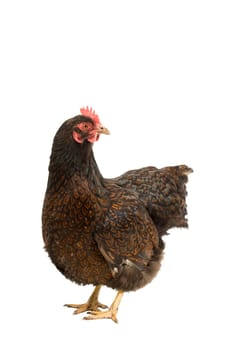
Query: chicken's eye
(85,126)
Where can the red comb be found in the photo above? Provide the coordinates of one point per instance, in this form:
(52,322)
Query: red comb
(91,114)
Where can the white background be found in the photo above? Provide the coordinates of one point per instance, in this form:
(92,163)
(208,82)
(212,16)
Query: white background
(160,75)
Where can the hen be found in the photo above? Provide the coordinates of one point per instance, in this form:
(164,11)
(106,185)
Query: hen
(107,231)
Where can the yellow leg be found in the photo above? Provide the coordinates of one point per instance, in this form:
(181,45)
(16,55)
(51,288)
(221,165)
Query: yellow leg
(110,313)
(91,305)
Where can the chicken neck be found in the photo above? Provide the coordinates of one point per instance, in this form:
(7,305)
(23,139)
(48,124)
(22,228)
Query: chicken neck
(72,159)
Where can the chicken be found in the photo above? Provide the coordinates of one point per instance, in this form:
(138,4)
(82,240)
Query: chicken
(106,231)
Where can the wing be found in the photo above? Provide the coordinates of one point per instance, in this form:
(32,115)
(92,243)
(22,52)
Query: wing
(128,240)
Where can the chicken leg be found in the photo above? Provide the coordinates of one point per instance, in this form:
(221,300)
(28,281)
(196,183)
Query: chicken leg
(91,305)
(111,313)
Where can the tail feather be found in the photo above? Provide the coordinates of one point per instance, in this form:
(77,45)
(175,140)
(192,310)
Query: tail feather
(163,192)
(174,214)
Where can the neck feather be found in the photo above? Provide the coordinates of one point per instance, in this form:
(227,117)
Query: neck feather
(74,159)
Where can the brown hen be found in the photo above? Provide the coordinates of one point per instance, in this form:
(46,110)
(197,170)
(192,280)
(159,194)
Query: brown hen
(107,231)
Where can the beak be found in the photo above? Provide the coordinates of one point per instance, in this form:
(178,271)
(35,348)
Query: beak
(102,130)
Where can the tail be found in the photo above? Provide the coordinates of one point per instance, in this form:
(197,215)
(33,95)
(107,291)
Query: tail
(163,192)
(170,209)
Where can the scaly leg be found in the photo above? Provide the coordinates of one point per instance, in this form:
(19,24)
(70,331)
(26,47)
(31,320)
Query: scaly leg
(91,305)
(110,313)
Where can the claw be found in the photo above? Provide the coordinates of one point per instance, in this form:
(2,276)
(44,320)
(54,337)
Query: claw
(91,305)
(98,315)
(86,307)
(111,313)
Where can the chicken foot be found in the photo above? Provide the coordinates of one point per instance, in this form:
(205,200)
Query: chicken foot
(92,304)
(111,313)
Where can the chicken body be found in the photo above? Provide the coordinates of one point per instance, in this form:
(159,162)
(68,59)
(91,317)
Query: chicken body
(107,231)
(105,237)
